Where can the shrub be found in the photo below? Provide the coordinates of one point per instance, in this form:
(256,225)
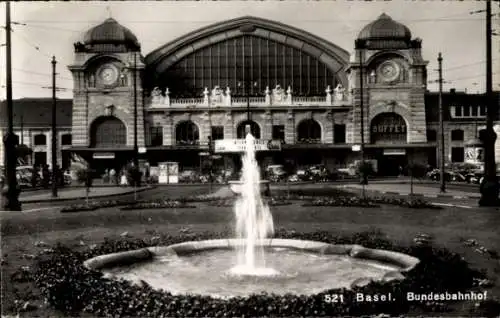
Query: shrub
(417,170)
(134,176)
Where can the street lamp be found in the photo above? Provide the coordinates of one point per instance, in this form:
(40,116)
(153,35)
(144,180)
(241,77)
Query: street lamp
(246,88)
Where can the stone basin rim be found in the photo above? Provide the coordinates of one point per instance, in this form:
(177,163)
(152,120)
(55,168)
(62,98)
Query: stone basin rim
(402,262)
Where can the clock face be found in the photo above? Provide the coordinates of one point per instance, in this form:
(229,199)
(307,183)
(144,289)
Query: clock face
(389,71)
(108,74)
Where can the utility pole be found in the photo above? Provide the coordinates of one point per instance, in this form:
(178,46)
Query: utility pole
(136,148)
(360,47)
(489,187)
(55,170)
(10,192)
(441,126)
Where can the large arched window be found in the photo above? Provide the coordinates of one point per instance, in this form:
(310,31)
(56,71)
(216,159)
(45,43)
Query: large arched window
(251,59)
(108,132)
(40,140)
(187,133)
(254,129)
(309,131)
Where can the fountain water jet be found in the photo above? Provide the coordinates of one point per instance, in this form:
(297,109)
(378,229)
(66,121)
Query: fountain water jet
(254,221)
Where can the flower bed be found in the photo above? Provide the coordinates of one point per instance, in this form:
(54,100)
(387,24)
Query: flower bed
(229,202)
(92,206)
(343,201)
(71,288)
(161,204)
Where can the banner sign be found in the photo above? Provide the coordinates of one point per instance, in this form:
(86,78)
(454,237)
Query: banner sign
(239,145)
(474,155)
(104,155)
(168,172)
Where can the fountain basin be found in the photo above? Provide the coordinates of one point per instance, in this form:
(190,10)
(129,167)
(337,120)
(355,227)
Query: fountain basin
(302,267)
(236,186)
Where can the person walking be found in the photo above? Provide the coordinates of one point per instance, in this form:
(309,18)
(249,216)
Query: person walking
(112,176)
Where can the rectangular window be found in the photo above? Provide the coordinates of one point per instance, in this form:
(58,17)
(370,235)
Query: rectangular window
(482,110)
(466,111)
(457,154)
(279,132)
(66,140)
(217,132)
(474,110)
(458,111)
(431,135)
(339,134)
(156,136)
(457,135)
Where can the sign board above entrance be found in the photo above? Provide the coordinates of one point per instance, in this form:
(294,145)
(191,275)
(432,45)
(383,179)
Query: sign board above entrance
(238,145)
(104,155)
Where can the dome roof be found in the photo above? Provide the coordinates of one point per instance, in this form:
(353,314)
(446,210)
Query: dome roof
(110,32)
(385,28)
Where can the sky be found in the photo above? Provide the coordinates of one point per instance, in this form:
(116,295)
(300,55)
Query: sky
(45,29)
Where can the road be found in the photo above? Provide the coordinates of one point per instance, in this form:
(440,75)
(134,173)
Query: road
(190,190)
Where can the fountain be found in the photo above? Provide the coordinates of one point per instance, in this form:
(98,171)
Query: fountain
(254,221)
(260,264)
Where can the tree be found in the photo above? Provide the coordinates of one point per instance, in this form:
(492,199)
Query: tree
(415,170)
(84,176)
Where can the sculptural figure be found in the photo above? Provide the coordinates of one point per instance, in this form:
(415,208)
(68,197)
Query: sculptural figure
(217,95)
(339,92)
(278,93)
(156,96)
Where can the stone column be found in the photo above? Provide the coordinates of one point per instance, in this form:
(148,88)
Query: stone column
(268,125)
(328,133)
(290,127)
(168,132)
(228,126)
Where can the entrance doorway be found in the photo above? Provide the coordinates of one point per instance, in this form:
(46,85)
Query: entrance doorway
(392,165)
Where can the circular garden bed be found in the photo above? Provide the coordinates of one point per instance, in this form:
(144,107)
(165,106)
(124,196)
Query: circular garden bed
(72,288)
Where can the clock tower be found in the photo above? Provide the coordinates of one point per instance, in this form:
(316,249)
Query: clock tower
(105,93)
(389,63)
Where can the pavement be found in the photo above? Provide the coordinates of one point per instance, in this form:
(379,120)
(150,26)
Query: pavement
(418,189)
(76,194)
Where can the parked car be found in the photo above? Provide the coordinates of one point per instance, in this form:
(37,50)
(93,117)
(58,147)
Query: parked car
(276,173)
(435,175)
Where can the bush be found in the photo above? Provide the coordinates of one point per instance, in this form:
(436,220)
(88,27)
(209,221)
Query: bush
(134,176)
(84,176)
(417,170)
(364,170)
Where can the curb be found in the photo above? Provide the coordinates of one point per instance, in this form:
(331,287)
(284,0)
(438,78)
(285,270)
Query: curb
(84,197)
(449,196)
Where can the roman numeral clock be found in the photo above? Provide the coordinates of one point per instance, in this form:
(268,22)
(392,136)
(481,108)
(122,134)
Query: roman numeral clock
(389,71)
(108,75)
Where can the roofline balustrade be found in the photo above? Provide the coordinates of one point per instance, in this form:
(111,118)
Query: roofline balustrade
(219,98)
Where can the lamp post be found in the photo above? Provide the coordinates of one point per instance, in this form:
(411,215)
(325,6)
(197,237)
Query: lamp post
(55,170)
(10,190)
(136,148)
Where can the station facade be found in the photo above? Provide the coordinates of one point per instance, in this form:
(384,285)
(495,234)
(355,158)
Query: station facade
(286,84)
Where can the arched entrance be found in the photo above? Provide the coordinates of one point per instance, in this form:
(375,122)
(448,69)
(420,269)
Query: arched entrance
(309,131)
(108,132)
(254,129)
(388,129)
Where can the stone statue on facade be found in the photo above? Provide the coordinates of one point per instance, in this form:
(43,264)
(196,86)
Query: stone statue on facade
(339,92)
(206,99)
(328,92)
(166,100)
(268,96)
(217,96)
(156,96)
(278,94)
(227,102)
(289,95)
